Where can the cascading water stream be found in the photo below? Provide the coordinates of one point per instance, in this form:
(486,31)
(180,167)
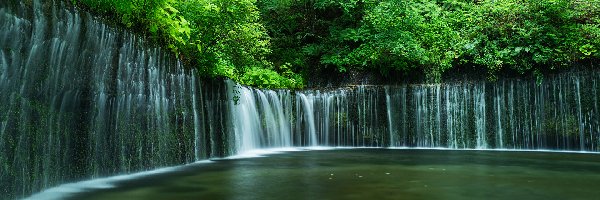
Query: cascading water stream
(308,113)
(247,125)
(480,124)
(271,124)
(391,124)
(281,135)
(80,100)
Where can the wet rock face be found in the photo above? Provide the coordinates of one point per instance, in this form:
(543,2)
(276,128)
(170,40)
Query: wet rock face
(80,99)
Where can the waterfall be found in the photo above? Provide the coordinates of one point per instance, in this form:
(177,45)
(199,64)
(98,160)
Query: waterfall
(246,120)
(259,119)
(309,119)
(80,99)
(281,134)
(391,120)
(498,109)
(480,125)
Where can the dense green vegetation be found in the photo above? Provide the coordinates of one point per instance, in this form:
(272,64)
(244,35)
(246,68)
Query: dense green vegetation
(219,37)
(267,43)
(433,36)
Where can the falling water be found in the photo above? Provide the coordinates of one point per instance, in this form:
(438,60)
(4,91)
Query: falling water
(259,118)
(80,99)
(480,125)
(391,124)
(246,122)
(309,119)
(281,134)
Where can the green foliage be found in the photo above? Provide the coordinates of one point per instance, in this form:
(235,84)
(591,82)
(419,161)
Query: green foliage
(266,42)
(306,33)
(219,37)
(406,34)
(529,35)
(267,78)
(157,17)
(432,36)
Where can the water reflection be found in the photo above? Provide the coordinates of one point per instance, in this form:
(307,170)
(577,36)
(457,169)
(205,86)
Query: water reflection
(376,174)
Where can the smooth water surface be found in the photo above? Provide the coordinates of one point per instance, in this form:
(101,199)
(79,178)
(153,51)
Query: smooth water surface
(375,174)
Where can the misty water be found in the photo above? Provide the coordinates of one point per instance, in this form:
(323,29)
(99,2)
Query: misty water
(374,174)
(81,100)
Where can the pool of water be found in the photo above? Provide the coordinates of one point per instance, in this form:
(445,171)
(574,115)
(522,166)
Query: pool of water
(374,174)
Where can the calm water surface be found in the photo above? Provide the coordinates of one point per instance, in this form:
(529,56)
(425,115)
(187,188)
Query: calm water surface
(375,174)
